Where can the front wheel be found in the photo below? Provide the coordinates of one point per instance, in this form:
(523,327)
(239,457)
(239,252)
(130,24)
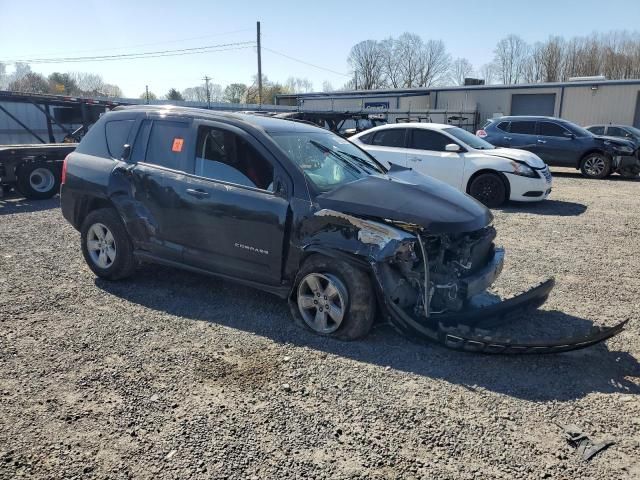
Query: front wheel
(489,189)
(38,180)
(595,165)
(106,246)
(333,298)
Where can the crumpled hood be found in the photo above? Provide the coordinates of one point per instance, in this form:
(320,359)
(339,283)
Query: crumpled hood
(616,141)
(529,158)
(407,196)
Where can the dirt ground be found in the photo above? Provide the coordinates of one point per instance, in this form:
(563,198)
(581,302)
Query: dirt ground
(175,375)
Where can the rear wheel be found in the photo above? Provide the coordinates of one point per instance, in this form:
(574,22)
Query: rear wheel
(595,165)
(38,180)
(106,246)
(333,298)
(489,189)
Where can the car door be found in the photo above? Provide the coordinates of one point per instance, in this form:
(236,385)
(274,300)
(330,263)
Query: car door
(388,146)
(232,205)
(555,144)
(522,134)
(160,150)
(427,155)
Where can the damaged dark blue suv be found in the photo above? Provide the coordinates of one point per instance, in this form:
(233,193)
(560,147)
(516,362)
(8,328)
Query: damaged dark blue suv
(297,211)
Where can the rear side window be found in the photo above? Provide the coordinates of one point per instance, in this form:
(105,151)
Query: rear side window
(596,130)
(523,127)
(428,140)
(550,129)
(117,132)
(616,132)
(168,144)
(366,138)
(393,137)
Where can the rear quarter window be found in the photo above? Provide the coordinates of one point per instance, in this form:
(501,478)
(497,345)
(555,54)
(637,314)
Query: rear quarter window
(117,133)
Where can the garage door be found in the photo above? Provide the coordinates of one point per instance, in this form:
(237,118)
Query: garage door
(533,104)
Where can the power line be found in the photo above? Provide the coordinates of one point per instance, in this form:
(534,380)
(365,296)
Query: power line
(139,44)
(303,62)
(140,55)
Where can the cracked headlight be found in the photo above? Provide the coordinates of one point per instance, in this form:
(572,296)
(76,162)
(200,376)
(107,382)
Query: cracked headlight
(523,170)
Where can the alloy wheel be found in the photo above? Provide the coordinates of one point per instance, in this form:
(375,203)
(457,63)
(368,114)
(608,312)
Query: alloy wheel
(594,165)
(101,245)
(322,302)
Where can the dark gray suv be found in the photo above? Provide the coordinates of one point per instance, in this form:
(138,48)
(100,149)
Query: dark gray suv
(564,144)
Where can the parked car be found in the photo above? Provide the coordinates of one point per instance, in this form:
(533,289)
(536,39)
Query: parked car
(297,211)
(459,158)
(561,143)
(619,131)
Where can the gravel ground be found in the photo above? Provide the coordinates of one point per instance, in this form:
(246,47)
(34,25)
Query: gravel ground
(174,375)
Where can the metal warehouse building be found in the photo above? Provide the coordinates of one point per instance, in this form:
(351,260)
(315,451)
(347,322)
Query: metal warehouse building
(583,102)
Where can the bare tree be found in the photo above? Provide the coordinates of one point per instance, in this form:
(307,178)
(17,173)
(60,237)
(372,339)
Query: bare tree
(410,49)
(88,83)
(510,57)
(461,68)
(31,82)
(488,73)
(532,69)
(299,85)
(392,62)
(327,86)
(110,90)
(434,65)
(365,60)
(3,76)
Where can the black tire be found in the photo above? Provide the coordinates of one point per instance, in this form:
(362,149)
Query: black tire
(489,189)
(595,165)
(124,264)
(38,181)
(360,308)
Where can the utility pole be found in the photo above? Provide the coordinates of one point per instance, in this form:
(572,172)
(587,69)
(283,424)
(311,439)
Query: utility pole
(206,81)
(259,66)
(146,93)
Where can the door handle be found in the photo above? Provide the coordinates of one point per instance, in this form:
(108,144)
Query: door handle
(507,138)
(414,159)
(542,141)
(196,192)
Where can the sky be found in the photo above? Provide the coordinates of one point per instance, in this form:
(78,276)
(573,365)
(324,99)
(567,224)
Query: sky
(318,33)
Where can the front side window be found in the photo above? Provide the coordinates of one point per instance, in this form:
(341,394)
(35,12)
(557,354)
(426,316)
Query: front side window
(596,130)
(223,155)
(117,132)
(504,126)
(469,138)
(326,159)
(550,129)
(523,127)
(617,132)
(422,139)
(167,144)
(392,137)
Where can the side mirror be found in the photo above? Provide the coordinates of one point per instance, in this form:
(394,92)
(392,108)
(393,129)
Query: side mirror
(126,152)
(452,147)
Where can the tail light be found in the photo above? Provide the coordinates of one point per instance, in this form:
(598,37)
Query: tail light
(64,170)
(481,133)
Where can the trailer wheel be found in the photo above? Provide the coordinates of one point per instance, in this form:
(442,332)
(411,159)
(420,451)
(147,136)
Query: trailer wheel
(38,180)
(333,298)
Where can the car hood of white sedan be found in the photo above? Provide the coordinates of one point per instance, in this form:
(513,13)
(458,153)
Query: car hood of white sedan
(529,158)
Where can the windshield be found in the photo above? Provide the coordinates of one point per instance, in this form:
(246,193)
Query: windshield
(577,129)
(326,159)
(635,131)
(469,138)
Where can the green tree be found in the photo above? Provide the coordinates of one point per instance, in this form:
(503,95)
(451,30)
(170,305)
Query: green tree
(235,93)
(62,83)
(174,94)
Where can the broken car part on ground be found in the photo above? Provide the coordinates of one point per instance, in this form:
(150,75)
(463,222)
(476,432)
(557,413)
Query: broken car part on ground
(298,211)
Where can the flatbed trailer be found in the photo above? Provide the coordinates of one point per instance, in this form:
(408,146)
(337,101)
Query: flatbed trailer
(35,171)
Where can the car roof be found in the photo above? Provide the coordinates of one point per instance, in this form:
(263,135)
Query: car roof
(426,126)
(269,124)
(527,117)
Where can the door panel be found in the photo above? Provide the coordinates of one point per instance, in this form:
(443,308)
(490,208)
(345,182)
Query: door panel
(427,155)
(554,145)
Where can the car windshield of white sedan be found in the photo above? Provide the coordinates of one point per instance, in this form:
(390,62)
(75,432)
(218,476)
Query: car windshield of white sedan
(469,138)
(327,159)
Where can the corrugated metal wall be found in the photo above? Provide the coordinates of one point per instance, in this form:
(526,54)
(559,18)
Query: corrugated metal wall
(606,104)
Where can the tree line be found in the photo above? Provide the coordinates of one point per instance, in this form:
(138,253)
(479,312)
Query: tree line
(410,61)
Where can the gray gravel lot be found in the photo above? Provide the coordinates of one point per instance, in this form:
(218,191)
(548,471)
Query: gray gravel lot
(175,375)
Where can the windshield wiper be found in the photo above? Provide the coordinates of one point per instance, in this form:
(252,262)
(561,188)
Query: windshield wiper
(361,161)
(346,162)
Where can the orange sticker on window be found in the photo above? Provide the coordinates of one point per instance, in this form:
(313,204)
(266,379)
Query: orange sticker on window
(177,144)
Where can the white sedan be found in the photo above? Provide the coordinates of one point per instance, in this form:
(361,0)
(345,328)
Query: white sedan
(454,156)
